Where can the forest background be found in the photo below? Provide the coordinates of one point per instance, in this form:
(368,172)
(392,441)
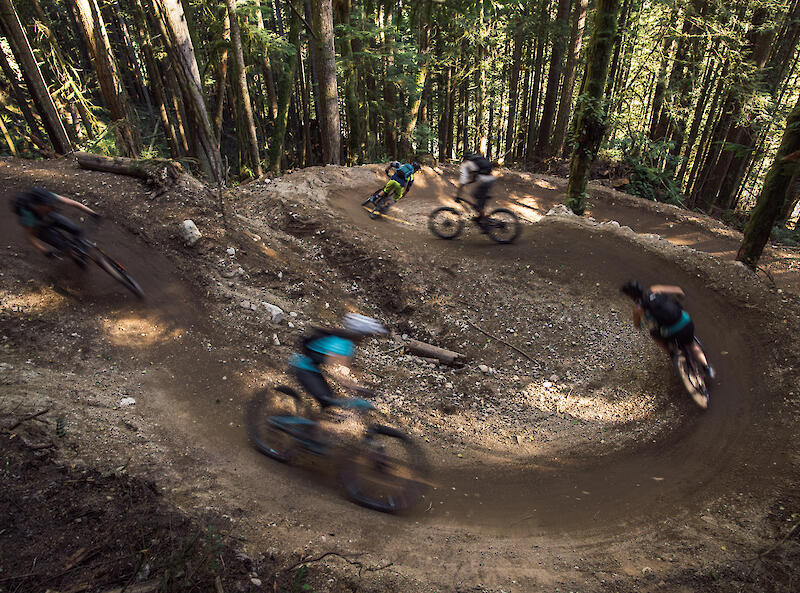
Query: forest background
(691,102)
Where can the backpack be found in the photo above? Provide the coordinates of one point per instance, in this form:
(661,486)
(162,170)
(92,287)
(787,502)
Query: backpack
(664,310)
(405,171)
(485,166)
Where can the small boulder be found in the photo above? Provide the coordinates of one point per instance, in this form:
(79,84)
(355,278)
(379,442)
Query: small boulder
(189,232)
(275,312)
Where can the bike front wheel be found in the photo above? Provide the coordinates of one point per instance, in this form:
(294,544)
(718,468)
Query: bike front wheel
(502,226)
(386,471)
(119,273)
(692,377)
(446,222)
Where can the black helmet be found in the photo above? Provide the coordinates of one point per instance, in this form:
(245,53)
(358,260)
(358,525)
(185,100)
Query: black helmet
(416,166)
(469,155)
(42,197)
(633,289)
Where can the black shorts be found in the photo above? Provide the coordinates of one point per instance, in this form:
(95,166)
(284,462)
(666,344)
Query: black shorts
(51,233)
(684,336)
(316,385)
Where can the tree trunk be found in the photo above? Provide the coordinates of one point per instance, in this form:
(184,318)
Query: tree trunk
(560,32)
(355,120)
(527,116)
(704,147)
(527,145)
(781,179)
(513,89)
(181,51)
(445,114)
(222,79)
(242,93)
(134,62)
(33,78)
(141,168)
(568,84)
(284,92)
(116,97)
(153,73)
(20,98)
(707,85)
(590,113)
(304,95)
(322,23)
(755,53)
(269,77)
(766,81)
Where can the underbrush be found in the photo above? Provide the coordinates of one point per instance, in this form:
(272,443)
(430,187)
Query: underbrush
(651,169)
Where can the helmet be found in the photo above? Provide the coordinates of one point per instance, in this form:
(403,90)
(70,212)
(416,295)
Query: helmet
(633,289)
(42,197)
(363,325)
(469,155)
(416,166)
(395,164)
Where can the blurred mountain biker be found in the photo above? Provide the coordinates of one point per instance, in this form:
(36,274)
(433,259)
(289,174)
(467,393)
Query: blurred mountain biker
(37,212)
(477,169)
(331,347)
(665,317)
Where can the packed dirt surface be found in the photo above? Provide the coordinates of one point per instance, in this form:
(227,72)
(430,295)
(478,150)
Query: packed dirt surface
(565,454)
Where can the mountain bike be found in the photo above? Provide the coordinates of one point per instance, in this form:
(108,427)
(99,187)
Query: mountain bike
(501,224)
(694,377)
(377,205)
(81,249)
(380,467)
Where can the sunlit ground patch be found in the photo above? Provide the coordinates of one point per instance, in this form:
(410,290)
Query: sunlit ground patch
(32,302)
(137,331)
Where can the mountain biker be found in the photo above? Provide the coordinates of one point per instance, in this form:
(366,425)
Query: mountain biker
(665,317)
(476,168)
(331,347)
(400,181)
(37,212)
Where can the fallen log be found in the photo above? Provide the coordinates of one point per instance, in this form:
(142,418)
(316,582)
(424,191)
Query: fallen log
(160,173)
(429,351)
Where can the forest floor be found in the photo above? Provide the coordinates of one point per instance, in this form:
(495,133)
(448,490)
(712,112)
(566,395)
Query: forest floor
(578,466)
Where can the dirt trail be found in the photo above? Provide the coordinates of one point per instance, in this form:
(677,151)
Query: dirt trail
(711,453)
(486,521)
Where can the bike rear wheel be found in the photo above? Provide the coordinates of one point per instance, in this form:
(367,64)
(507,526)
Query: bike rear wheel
(264,414)
(502,225)
(446,222)
(385,472)
(118,273)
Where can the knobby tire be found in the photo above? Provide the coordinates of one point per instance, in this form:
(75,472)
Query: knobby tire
(502,226)
(118,273)
(403,481)
(265,437)
(446,222)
